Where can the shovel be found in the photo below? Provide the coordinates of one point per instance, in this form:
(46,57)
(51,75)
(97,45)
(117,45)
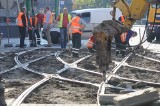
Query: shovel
(69,48)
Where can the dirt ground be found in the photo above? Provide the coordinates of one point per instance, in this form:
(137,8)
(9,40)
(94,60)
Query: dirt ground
(7,61)
(18,80)
(60,92)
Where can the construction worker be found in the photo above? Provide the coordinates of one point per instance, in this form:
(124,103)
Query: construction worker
(40,17)
(121,19)
(75,29)
(22,23)
(33,29)
(47,23)
(120,47)
(64,19)
(91,44)
(123,40)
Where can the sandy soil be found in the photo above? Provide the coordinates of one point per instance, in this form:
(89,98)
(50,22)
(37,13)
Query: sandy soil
(18,80)
(60,92)
(7,61)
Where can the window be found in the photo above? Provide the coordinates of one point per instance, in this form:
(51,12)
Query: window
(154,5)
(86,17)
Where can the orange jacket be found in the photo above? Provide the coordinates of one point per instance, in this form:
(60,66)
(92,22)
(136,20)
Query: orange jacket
(35,22)
(75,26)
(90,42)
(123,36)
(50,20)
(122,19)
(19,19)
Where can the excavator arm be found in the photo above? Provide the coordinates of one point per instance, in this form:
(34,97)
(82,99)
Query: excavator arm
(134,11)
(104,32)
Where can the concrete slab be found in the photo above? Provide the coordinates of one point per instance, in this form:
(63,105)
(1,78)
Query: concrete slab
(105,99)
(9,101)
(138,97)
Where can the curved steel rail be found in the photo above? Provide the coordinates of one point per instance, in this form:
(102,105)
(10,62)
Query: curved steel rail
(47,77)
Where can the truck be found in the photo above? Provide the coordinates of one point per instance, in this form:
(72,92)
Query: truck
(154,32)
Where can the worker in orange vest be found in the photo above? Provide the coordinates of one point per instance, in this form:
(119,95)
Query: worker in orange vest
(123,40)
(47,24)
(91,44)
(32,30)
(22,23)
(75,28)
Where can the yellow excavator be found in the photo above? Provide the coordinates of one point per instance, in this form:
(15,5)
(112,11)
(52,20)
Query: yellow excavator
(104,32)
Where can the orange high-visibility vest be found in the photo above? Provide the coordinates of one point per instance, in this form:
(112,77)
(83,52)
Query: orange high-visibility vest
(90,42)
(123,36)
(122,19)
(50,20)
(75,26)
(19,19)
(35,21)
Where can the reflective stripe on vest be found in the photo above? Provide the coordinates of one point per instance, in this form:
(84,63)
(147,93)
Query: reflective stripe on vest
(19,19)
(75,26)
(61,20)
(35,21)
(50,20)
(123,36)
(122,19)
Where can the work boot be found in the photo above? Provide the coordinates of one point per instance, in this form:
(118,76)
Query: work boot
(38,42)
(117,52)
(31,45)
(75,55)
(123,52)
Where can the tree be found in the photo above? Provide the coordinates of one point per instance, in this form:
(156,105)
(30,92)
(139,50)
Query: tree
(81,4)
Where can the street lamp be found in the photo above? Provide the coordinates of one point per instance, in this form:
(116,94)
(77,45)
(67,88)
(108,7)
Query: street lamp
(7,21)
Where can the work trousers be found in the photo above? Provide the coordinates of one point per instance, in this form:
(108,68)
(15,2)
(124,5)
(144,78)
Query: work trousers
(64,37)
(120,46)
(76,44)
(32,38)
(47,34)
(36,31)
(22,31)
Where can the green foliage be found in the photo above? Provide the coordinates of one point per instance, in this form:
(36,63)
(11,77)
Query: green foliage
(81,4)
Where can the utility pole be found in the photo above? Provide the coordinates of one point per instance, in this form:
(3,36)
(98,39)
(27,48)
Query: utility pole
(28,5)
(56,6)
(7,21)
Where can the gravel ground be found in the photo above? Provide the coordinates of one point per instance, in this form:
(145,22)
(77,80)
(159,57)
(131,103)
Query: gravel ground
(60,92)
(48,65)
(31,55)
(142,62)
(81,76)
(132,73)
(7,61)
(18,80)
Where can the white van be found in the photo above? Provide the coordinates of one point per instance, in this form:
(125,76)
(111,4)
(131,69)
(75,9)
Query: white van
(93,17)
